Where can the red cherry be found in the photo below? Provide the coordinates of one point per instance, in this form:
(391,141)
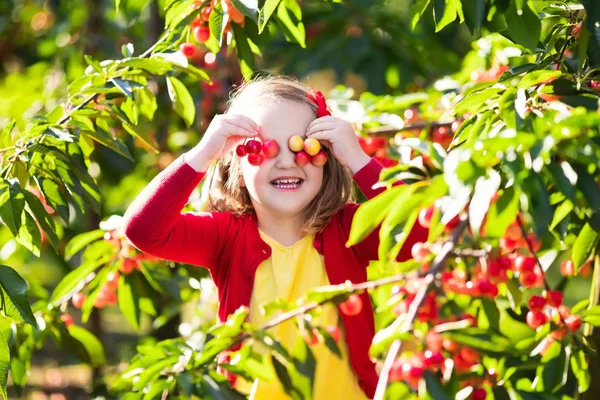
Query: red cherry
(573,322)
(302,158)
(536,303)
(434,341)
(425,217)
(528,279)
(255,159)
(525,264)
(450,345)
(420,251)
(536,243)
(396,372)
(508,244)
(129,265)
(319,159)
(240,150)
(78,300)
(485,287)
(113,280)
(535,319)
(352,306)
(311,337)
(470,355)
(335,333)
(478,394)
(110,297)
(188,49)
(432,359)
(513,232)
(567,268)
(67,319)
(453,223)
(201,34)
(554,297)
(253,147)
(270,148)
(205,13)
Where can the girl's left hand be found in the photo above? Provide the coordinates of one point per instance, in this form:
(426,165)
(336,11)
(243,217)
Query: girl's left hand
(339,136)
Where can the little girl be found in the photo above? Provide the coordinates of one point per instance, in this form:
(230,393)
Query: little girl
(275,227)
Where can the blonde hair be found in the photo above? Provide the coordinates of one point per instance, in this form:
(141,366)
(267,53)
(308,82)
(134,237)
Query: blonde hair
(225,192)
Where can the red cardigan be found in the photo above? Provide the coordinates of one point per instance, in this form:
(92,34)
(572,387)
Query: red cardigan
(232,249)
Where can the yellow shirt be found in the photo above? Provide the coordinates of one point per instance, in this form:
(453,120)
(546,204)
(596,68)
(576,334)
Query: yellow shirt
(288,274)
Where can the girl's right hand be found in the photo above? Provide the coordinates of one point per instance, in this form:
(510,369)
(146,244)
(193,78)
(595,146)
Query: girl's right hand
(223,134)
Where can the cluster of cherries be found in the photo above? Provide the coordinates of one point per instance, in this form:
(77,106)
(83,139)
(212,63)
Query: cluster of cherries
(307,150)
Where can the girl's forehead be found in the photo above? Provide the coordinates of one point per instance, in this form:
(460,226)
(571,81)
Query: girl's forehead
(280,120)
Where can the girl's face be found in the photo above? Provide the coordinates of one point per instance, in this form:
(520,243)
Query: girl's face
(279,185)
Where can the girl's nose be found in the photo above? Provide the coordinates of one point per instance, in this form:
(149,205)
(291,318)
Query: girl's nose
(285,158)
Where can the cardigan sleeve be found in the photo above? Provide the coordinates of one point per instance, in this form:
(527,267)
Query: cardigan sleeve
(155,224)
(366,178)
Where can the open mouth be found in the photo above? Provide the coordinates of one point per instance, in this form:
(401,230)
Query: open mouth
(287,183)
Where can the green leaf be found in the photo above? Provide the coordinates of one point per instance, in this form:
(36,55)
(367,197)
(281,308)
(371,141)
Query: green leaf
(94,64)
(434,387)
(580,369)
(477,98)
(183,103)
(92,345)
(14,302)
(445,12)
(481,340)
(485,190)
(561,212)
(29,234)
(283,375)
(537,77)
(127,49)
(502,213)
(247,7)
(289,16)
(42,217)
(112,143)
(129,300)
(244,52)
(418,9)
(12,203)
(370,214)
(474,14)
(80,241)
(4,365)
(53,196)
(76,279)
(524,27)
(265,13)
(218,20)
(302,370)
(585,243)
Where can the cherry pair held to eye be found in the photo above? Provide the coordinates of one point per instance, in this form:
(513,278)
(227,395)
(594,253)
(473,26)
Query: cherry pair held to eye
(307,150)
(254,148)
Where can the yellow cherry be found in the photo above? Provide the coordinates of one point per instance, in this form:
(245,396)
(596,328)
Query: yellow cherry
(296,143)
(312,146)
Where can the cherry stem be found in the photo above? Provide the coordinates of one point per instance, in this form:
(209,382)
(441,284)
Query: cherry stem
(408,321)
(530,248)
(476,253)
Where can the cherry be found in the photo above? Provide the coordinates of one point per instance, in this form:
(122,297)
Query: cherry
(396,372)
(352,306)
(296,143)
(78,300)
(335,333)
(513,232)
(554,297)
(255,159)
(559,333)
(188,49)
(470,355)
(319,159)
(201,34)
(270,148)
(110,297)
(450,345)
(528,279)
(113,279)
(535,319)
(536,243)
(205,13)
(440,135)
(525,264)
(302,158)
(536,303)
(129,265)
(420,251)
(241,151)
(67,319)
(487,288)
(432,359)
(567,268)
(311,337)
(508,244)
(253,147)
(478,394)
(573,322)
(425,216)
(434,341)
(311,146)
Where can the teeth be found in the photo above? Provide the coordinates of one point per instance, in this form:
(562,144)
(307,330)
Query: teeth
(286,183)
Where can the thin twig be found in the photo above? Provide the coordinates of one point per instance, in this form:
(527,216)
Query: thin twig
(438,263)
(530,247)
(389,131)
(477,253)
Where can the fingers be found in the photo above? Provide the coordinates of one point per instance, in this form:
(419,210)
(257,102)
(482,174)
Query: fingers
(240,127)
(323,135)
(321,124)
